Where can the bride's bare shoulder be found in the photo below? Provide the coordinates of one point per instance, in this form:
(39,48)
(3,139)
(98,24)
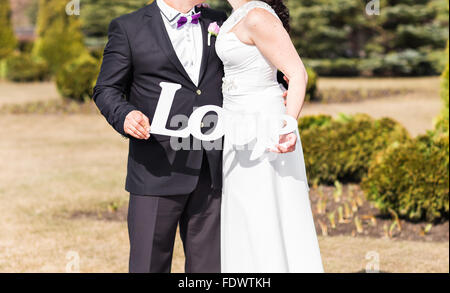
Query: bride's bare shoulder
(259,18)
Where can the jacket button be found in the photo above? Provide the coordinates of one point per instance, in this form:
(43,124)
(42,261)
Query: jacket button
(199,92)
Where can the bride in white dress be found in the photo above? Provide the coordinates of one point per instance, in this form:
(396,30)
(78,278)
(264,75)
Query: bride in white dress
(267,223)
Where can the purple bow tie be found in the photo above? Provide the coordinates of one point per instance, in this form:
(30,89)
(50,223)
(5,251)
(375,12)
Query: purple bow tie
(183,19)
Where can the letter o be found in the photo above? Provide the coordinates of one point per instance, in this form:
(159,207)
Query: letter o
(196,119)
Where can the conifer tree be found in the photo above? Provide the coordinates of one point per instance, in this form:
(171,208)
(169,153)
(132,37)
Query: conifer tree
(59,37)
(97,14)
(8,40)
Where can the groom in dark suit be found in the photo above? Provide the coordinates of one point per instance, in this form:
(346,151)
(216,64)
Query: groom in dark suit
(166,41)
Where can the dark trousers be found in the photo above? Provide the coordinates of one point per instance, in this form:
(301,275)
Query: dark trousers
(152,225)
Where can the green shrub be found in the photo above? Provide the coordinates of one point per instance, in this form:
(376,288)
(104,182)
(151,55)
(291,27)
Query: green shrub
(416,36)
(59,35)
(311,121)
(97,14)
(2,69)
(334,67)
(437,59)
(76,79)
(97,53)
(311,88)
(412,179)
(372,66)
(342,149)
(405,63)
(26,46)
(24,68)
(442,124)
(8,40)
(408,62)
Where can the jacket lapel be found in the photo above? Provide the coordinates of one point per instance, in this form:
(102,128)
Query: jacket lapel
(206,49)
(162,38)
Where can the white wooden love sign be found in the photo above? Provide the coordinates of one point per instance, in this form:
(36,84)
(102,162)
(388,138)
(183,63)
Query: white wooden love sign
(159,122)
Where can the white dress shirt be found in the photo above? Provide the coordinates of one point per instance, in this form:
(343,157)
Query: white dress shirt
(186,40)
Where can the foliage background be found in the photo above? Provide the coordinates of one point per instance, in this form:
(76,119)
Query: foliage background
(63,167)
(339,38)
(7,39)
(336,37)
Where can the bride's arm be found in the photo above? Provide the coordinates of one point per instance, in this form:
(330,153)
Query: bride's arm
(267,33)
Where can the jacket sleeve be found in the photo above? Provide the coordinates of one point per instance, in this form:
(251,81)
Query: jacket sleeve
(114,79)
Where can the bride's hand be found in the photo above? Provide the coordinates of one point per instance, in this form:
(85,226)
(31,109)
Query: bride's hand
(286,144)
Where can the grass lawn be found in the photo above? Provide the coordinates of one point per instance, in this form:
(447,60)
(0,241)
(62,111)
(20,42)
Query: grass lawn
(20,93)
(415,109)
(57,165)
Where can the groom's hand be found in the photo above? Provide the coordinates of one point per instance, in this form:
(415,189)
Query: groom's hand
(137,125)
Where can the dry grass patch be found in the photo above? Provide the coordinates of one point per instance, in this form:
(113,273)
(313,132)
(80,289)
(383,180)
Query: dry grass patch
(416,109)
(54,165)
(51,165)
(417,84)
(348,255)
(345,254)
(21,93)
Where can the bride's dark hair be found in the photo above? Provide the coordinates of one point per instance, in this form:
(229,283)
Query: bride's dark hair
(281,10)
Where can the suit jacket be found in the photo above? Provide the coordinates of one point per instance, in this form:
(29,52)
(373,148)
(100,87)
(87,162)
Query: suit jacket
(138,56)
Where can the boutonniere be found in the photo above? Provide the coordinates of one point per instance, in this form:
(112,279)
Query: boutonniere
(213,30)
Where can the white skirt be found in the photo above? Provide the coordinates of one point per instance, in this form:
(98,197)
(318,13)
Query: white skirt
(266,219)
